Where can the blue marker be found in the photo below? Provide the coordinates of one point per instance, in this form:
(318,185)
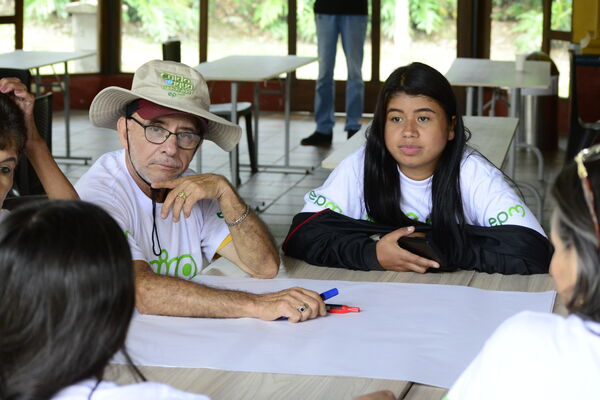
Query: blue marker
(325,295)
(329,294)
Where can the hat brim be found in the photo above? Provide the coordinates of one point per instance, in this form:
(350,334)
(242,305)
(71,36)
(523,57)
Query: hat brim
(109,105)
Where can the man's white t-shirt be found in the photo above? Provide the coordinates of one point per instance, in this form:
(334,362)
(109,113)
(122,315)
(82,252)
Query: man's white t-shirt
(487,198)
(110,391)
(186,245)
(535,356)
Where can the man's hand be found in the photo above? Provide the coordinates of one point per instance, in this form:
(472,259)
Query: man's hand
(188,190)
(290,303)
(21,97)
(253,246)
(382,395)
(394,258)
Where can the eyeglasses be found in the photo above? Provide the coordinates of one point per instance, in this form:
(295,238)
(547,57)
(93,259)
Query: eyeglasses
(586,155)
(157,135)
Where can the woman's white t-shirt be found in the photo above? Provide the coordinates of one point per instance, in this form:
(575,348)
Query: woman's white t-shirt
(487,198)
(535,356)
(111,391)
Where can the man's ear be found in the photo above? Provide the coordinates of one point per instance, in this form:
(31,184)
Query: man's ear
(122,131)
(452,128)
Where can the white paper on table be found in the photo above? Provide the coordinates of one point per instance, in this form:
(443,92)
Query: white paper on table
(412,332)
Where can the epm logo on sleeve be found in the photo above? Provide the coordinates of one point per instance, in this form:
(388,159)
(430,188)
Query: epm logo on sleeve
(503,216)
(322,201)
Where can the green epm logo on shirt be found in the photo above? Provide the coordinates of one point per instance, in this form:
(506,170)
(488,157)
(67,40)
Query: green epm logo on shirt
(323,201)
(503,216)
(184,266)
(176,85)
(415,217)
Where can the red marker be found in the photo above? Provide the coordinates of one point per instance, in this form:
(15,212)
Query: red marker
(341,309)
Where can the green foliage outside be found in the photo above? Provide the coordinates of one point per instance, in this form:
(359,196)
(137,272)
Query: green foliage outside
(44,10)
(160,19)
(529,17)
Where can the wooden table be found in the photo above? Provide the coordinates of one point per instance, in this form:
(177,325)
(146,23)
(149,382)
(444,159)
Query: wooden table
(224,385)
(256,69)
(490,135)
(34,60)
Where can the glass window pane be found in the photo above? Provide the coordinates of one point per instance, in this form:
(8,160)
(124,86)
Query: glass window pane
(561,15)
(7,33)
(60,26)
(239,27)
(417,30)
(7,7)
(559,53)
(307,46)
(146,24)
(516,28)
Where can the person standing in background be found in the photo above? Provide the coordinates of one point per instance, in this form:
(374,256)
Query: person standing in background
(348,19)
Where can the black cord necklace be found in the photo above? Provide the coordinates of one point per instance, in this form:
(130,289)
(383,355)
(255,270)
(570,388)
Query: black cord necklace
(153,196)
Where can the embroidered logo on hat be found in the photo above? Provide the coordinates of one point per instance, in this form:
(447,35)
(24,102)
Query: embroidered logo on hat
(177,85)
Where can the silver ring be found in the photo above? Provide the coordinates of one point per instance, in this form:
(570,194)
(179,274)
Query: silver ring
(303,307)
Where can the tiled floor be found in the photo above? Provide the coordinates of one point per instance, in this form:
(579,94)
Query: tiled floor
(279,196)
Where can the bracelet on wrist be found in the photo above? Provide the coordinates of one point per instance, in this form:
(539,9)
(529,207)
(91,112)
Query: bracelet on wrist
(240,219)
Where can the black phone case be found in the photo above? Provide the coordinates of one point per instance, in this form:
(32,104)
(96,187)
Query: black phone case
(422,247)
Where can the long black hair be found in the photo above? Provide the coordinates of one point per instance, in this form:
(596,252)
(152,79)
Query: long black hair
(66,297)
(382,181)
(574,224)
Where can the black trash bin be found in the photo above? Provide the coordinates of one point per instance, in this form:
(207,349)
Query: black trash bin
(540,109)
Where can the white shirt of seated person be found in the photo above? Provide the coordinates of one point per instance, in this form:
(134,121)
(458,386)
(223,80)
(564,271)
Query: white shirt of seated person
(186,246)
(535,356)
(110,391)
(488,200)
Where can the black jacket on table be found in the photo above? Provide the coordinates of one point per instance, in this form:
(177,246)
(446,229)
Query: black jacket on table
(331,239)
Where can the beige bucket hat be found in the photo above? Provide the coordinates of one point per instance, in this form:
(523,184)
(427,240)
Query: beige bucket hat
(169,84)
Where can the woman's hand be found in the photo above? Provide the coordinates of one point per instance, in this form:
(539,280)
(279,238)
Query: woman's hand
(23,99)
(394,258)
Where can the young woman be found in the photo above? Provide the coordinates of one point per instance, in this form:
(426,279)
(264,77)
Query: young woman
(66,300)
(19,134)
(547,356)
(416,170)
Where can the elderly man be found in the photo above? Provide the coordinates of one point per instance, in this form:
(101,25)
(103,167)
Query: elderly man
(147,186)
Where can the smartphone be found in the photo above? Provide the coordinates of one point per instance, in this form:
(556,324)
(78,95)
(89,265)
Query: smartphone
(423,247)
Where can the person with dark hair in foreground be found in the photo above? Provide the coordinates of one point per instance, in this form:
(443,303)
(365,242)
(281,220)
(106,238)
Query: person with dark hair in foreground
(417,176)
(547,356)
(66,299)
(19,134)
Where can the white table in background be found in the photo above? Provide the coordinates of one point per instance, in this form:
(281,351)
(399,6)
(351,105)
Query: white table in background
(491,136)
(34,60)
(480,73)
(256,69)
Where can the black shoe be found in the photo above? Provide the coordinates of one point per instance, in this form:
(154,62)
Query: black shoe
(317,139)
(351,132)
